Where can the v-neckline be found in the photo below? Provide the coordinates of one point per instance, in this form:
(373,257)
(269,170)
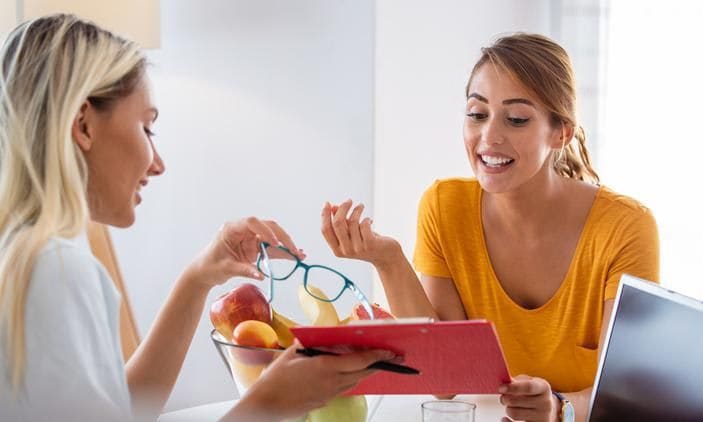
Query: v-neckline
(564,281)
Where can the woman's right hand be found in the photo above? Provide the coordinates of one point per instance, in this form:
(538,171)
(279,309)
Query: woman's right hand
(294,384)
(351,237)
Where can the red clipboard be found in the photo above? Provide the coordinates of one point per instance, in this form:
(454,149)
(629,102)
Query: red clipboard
(453,357)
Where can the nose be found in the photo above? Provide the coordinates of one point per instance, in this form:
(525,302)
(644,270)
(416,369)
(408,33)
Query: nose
(492,132)
(157,166)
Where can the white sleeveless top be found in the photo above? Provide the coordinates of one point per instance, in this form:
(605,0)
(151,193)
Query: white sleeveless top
(74,368)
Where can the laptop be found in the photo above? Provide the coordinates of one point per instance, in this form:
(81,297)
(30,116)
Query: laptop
(651,367)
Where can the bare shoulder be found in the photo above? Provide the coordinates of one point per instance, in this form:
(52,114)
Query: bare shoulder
(581,195)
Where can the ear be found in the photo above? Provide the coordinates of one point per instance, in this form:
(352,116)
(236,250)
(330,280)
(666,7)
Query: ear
(80,130)
(567,131)
(563,135)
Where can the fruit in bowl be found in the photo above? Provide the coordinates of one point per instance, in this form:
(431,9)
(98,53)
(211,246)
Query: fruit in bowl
(242,303)
(245,373)
(249,334)
(253,335)
(245,363)
(360,313)
(340,409)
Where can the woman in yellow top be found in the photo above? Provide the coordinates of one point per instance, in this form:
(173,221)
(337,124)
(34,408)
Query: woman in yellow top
(533,243)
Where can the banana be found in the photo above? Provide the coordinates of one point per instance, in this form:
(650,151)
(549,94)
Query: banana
(318,311)
(282,325)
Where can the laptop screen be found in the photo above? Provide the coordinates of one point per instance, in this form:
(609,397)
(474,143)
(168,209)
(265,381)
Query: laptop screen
(652,368)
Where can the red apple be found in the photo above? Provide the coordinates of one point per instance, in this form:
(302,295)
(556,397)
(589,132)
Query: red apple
(240,304)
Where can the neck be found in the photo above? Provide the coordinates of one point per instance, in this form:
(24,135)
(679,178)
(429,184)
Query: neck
(528,211)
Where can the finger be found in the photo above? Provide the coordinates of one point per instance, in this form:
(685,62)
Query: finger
(357,361)
(523,414)
(345,383)
(250,248)
(257,227)
(339,226)
(523,385)
(288,355)
(527,402)
(354,229)
(291,351)
(327,230)
(285,239)
(365,230)
(245,270)
(350,379)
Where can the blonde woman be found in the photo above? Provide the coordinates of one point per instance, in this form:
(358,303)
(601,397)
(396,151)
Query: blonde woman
(76,143)
(532,243)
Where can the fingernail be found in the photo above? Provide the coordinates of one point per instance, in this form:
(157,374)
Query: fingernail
(503,389)
(256,274)
(387,355)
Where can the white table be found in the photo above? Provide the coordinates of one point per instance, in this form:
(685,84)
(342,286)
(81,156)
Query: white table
(391,409)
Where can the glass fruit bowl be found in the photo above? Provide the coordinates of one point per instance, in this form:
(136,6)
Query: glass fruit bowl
(245,363)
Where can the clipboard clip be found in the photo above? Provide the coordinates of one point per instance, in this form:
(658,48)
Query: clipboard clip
(411,320)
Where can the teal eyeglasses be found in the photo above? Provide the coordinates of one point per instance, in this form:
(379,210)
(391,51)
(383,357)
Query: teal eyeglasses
(330,281)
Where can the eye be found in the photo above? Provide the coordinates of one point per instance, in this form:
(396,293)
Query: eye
(476,116)
(149,133)
(516,121)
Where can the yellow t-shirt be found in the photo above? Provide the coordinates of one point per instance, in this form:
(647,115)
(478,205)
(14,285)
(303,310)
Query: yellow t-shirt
(559,340)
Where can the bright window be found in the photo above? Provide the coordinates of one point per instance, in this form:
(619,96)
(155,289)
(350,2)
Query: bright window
(652,144)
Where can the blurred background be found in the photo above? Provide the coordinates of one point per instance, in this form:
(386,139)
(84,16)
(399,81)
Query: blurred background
(271,107)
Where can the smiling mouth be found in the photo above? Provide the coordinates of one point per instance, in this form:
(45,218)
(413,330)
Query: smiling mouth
(495,162)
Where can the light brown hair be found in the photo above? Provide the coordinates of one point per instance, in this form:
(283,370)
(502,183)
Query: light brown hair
(49,67)
(544,68)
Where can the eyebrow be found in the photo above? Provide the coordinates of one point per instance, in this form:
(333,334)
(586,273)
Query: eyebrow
(506,102)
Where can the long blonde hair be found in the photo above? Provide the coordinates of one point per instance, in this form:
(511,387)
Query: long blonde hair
(49,67)
(544,68)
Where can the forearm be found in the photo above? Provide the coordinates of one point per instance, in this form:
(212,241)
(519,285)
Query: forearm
(153,369)
(403,289)
(249,409)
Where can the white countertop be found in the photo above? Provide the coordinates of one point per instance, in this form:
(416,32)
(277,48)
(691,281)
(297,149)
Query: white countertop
(391,409)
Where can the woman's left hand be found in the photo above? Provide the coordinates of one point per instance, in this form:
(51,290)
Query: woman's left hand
(234,250)
(529,399)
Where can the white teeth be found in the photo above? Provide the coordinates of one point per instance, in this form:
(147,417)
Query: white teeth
(495,161)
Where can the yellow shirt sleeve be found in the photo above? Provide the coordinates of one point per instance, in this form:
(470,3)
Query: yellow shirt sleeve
(429,259)
(636,254)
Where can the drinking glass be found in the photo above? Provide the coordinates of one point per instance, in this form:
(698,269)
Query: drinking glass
(448,411)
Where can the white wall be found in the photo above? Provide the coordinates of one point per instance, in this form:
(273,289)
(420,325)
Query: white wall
(265,110)
(8,17)
(424,55)
(271,107)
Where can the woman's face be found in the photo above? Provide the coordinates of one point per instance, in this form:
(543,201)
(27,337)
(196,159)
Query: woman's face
(118,148)
(507,132)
